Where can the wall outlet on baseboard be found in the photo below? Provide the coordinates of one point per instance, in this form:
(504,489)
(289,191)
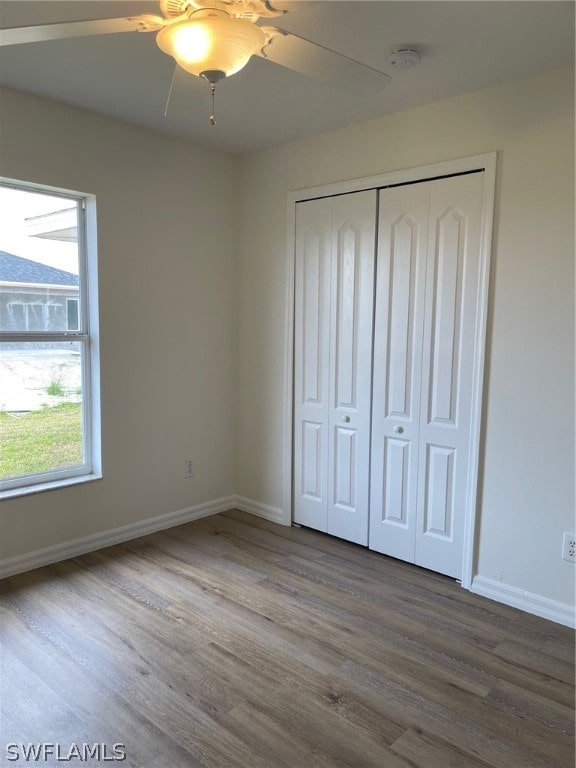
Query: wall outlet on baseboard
(188,468)
(569,547)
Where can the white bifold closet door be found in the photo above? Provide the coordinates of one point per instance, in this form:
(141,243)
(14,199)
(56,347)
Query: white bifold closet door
(424,356)
(334,296)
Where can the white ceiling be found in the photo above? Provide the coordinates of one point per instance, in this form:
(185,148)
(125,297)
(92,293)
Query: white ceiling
(465,46)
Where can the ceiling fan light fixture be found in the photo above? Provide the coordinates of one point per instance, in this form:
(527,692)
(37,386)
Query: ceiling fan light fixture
(211,40)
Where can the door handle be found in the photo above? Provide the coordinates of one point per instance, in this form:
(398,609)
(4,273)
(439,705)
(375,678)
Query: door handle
(399,430)
(346,418)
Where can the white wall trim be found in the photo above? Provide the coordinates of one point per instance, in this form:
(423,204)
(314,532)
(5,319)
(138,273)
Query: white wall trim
(274,514)
(561,613)
(287,423)
(76,547)
(482,288)
(419,173)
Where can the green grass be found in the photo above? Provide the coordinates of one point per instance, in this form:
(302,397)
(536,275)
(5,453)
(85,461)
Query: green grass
(55,388)
(40,440)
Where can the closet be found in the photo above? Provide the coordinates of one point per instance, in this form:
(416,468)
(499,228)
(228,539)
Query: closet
(387,292)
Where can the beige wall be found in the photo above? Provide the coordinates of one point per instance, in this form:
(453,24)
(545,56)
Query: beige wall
(527,475)
(167,257)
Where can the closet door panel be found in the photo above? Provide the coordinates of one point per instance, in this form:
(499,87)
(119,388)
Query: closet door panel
(352,298)
(447,370)
(439,491)
(396,476)
(400,276)
(311,362)
(344,468)
(444,330)
(312,474)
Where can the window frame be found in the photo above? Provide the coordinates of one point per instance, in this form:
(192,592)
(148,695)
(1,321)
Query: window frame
(87,336)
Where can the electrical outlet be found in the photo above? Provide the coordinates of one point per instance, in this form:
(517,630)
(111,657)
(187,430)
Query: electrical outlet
(188,469)
(569,547)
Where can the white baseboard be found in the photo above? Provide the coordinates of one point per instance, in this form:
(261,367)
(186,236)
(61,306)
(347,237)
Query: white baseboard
(561,613)
(274,514)
(69,549)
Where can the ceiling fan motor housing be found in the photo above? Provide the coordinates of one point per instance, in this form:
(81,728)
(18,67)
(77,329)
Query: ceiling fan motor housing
(171,9)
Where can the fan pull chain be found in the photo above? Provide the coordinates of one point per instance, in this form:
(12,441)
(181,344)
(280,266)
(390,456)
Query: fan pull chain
(212,76)
(213,114)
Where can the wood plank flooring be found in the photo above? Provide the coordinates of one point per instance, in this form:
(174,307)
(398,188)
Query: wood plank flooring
(234,643)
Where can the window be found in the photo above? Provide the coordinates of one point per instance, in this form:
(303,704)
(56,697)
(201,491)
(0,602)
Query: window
(49,393)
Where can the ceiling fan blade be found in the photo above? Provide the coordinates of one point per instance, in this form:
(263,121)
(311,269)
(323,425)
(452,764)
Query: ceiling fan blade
(323,64)
(22,35)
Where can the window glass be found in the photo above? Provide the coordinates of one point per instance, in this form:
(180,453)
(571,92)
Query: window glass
(40,408)
(45,342)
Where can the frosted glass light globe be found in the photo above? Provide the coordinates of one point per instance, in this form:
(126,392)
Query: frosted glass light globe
(211,41)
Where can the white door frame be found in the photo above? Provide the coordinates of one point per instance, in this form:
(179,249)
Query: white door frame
(486,162)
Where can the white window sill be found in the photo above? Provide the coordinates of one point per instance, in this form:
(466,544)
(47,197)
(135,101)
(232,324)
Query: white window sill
(27,490)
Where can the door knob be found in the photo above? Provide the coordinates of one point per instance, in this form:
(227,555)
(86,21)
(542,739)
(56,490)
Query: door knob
(346,418)
(399,430)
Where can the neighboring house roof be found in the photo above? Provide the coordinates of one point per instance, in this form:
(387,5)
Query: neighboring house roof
(15,269)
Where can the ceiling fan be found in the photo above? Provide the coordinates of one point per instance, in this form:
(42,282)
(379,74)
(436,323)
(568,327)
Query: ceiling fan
(214,39)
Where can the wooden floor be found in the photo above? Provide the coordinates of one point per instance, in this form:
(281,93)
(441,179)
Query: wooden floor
(234,643)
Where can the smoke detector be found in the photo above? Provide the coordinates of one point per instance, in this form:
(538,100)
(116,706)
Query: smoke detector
(404,58)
